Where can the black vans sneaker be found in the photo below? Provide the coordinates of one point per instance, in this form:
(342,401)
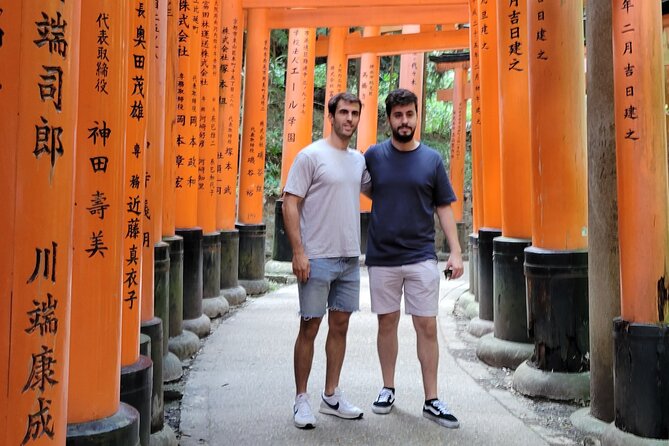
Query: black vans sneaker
(384,402)
(437,411)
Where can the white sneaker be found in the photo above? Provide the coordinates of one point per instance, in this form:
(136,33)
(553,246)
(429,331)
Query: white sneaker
(338,406)
(303,417)
(384,402)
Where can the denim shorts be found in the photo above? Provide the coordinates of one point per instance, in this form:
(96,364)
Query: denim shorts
(334,284)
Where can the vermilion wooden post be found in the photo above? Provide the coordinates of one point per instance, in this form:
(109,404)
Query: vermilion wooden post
(252,171)
(212,304)
(411,75)
(509,304)
(136,369)
(187,142)
(490,156)
(97,295)
(297,127)
(477,167)
(556,263)
(187,120)
(337,70)
(641,359)
(459,146)
(155,265)
(368,92)
(10,23)
(181,343)
(232,36)
(490,135)
(38,85)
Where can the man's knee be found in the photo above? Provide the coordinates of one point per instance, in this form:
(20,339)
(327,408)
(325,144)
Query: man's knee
(388,322)
(338,322)
(309,328)
(425,326)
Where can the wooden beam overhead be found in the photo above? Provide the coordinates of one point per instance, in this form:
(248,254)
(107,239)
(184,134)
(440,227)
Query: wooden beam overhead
(269,4)
(367,16)
(389,44)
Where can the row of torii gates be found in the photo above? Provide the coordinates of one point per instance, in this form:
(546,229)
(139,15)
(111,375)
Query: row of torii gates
(125,214)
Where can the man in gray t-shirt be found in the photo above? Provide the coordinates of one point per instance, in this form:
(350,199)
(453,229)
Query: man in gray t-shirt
(321,212)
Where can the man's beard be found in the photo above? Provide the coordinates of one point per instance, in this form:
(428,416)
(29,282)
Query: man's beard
(403,138)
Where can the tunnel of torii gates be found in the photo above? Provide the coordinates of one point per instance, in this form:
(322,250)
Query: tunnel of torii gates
(127,229)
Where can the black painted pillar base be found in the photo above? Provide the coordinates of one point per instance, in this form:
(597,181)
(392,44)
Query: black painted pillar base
(230,288)
(193,318)
(213,305)
(120,429)
(474,265)
(153,328)
(641,378)
(365,217)
(181,343)
(485,272)
(175,286)
(557,299)
(509,293)
(136,384)
(252,258)
(171,365)
(281,249)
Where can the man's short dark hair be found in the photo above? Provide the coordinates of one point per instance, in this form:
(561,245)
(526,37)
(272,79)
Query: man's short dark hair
(344,96)
(400,96)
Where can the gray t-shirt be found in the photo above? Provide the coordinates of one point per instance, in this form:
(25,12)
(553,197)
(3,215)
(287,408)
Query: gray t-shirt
(328,179)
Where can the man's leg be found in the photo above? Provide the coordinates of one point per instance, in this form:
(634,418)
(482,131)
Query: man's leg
(304,352)
(428,352)
(386,345)
(335,348)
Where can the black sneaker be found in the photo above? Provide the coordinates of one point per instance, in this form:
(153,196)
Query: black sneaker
(437,411)
(384,402)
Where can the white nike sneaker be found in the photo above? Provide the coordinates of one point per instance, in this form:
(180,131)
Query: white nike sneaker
(303,417)
(338,406)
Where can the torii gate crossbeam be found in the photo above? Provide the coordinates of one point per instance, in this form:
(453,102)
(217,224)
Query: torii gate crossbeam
(247,4)
(367,16)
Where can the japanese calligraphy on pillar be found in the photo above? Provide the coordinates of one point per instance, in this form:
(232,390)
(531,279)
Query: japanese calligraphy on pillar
(187,121)
(228,88)
(516,33)
(542,31)
(629,113)
(135,207)
(45,157)
(476,62)
(293,107)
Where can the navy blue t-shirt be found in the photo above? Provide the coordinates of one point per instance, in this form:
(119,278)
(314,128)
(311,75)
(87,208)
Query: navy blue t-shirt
(406,188)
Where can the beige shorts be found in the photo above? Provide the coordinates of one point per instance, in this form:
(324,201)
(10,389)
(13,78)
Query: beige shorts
(418,281)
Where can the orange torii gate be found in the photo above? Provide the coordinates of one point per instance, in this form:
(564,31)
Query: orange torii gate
(271,15)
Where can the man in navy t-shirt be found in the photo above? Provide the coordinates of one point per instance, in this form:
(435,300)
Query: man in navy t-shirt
(409,183)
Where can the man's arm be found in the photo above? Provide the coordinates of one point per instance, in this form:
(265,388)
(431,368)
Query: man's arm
(447,222)
(291,220)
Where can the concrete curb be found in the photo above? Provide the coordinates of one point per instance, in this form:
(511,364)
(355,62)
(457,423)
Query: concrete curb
(164,437)
(531,381)
(215,307)
(185,345)
(479,327)
(172,370)
(200,326)
(235,295)
(615,437)
(501,353)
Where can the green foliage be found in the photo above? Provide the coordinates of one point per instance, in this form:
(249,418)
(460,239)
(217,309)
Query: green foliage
(436,126)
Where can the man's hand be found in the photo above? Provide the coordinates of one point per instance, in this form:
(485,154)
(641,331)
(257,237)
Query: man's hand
(454,263)
(301,267)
